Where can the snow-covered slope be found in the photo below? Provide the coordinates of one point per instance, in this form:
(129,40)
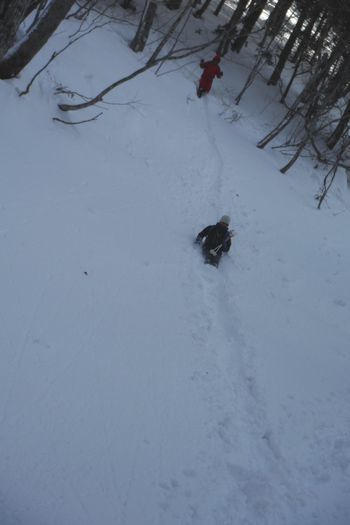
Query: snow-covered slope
(138,386)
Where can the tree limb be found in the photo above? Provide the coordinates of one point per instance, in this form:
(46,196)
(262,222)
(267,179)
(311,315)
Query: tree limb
(56,119)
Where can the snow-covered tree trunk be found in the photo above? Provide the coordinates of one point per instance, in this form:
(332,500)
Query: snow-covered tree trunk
(17,58)
(11,15)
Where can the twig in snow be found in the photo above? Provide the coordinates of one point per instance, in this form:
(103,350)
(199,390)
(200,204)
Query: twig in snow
(56,119)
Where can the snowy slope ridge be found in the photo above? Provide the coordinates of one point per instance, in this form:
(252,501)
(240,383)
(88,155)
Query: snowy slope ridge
(138,386)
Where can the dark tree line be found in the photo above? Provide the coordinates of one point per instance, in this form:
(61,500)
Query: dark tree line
(309,38)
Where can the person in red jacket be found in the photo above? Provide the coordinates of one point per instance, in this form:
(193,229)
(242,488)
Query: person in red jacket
(211,70)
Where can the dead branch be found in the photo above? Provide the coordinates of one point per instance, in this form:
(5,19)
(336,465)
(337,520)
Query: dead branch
(65,91)
(56,119)
(180,53)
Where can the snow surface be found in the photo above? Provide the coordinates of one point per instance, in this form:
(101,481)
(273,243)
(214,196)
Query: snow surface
(137,385)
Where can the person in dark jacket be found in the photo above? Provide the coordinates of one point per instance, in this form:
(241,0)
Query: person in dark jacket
(211,70)
(217,240)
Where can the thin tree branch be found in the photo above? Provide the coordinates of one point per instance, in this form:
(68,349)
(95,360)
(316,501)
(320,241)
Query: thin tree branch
(148,65)
(56,119)
(55,54)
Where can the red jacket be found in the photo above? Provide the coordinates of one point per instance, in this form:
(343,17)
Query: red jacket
(211,70)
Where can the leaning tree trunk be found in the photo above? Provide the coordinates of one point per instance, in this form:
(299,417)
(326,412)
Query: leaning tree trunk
(12,13)
(329,178)
(52,16)
(185,12)
(173,4)
(291,80)
(339,72)
(341,127)
(202,9)
(338,86)
(231,27)
(286,51)
(219,7)
(146,22)
(249,22)
(307,96)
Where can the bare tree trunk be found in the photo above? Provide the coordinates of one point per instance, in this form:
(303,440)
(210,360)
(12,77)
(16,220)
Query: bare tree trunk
(171,31)
(202,9)
(341,127)
(173,4)
(276,20)
(261,60)
(304,41)
(299,54)
(277,130)
(146,22)
(338,81)
(307,96)
(288,48)
(11,15)
(310,119)
(291,80)
(36,39)
(127,4)
(329,178)
(230,28)
(219,7)
(321,30)
(249,22)
(296,155)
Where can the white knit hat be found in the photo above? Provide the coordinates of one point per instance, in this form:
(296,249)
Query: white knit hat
(225,219)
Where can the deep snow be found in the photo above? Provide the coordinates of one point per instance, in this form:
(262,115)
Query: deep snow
(137,385)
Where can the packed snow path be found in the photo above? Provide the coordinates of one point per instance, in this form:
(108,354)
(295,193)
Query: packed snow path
(139,386)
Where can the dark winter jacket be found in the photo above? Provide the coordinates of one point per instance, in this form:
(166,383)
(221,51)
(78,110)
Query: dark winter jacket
(211,70)
(214,236)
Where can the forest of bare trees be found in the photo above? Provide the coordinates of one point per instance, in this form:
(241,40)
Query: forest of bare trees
(295,43)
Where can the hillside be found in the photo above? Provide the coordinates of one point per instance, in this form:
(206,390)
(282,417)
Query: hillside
(137,385)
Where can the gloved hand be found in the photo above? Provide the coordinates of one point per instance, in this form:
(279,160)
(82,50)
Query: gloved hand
(197,240)
(221,74)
